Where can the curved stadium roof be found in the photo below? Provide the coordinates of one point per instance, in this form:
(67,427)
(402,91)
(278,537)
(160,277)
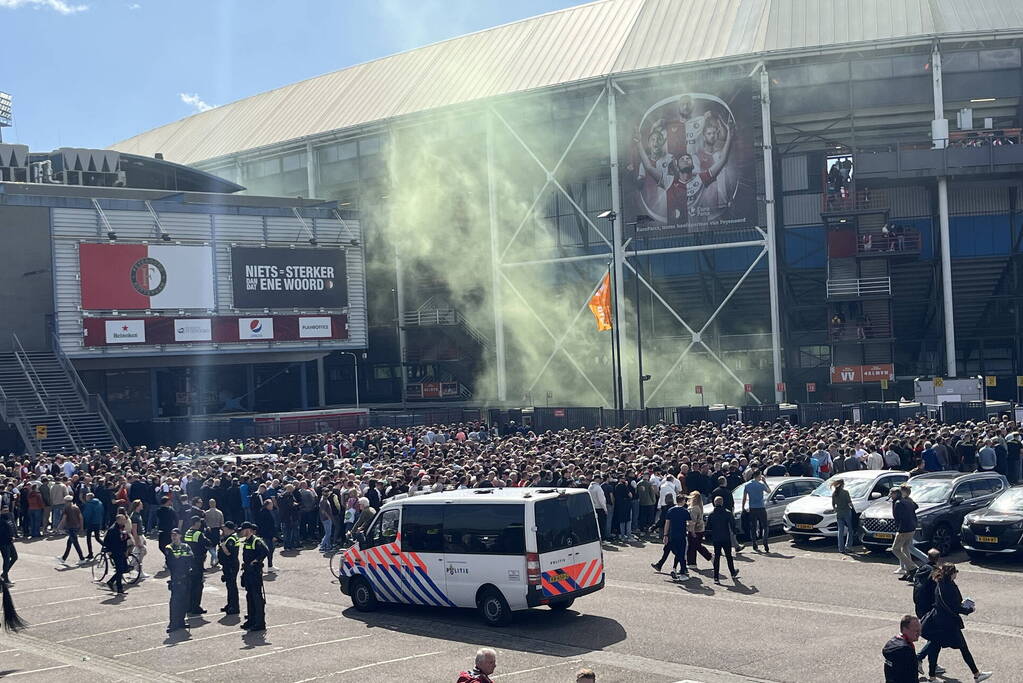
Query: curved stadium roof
(577,44)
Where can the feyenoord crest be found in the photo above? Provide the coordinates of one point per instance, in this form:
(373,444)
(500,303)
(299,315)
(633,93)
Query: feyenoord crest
(148,276)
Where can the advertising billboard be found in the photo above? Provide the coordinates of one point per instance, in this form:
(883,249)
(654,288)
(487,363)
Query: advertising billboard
(856,374)
(137,277)
(281,277)
(159,330)
(689,163)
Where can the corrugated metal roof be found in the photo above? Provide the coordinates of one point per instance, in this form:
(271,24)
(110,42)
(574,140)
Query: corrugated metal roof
(571,45)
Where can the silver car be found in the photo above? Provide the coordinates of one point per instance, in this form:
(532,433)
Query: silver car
(784,490)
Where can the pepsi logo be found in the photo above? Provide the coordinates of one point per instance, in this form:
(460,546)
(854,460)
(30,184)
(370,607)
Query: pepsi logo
(256,326)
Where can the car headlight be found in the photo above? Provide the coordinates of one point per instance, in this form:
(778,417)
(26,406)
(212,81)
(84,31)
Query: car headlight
(1017,526)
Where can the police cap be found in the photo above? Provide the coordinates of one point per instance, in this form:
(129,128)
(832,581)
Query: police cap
(247,525)
(196,520)
(176,531)
(229,525)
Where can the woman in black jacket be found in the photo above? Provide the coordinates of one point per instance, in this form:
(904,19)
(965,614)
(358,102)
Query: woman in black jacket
(943,626)
(720,528)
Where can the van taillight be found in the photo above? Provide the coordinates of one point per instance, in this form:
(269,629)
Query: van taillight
(532,569)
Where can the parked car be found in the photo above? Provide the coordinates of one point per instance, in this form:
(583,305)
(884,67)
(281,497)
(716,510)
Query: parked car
(998,528)
(943,500)
(784,490)
(813,515)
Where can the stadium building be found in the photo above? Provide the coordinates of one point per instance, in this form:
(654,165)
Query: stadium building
(790,199)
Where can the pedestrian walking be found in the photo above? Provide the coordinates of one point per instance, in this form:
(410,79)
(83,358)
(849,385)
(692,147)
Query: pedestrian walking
(670,499)
(180,565)
(254,553)
(904,516)
(943,625)
(71,523)
(900,660)
(754,501)
(92,517)
(676,530)
(228,555)
(721,527)
(697,527)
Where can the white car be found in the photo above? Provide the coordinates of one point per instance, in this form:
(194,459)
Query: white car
(784,490)
(814,516)
(498,550)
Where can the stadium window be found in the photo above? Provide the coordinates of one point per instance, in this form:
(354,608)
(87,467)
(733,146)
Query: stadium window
(1008,58)
(959,62)
(815,356)
(263,168)
(911,65)
(369,146)
(872,69)
(293,162)
(382,372)
(833,72)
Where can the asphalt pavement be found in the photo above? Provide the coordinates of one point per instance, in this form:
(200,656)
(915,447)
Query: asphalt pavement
(801,613)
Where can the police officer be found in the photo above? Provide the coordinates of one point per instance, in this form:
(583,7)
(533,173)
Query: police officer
(180,564)
(199,545)
(227,556)
(254,552)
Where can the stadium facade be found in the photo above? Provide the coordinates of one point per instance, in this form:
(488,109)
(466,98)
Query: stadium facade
(811,200)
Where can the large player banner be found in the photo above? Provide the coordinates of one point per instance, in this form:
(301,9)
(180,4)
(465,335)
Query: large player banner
(689,163)
(279,277)
(135,277)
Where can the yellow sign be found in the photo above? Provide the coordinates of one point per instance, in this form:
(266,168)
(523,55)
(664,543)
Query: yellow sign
(884,384)
(1019,380)
(991,381)
(41,432)
(939,382)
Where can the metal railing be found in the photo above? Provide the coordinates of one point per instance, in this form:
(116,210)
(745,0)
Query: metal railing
(837,201)
(12,413)
(858,330)
(864,286)
(876,242)
(984,149)
(91,402)
(449,317)
(25,364)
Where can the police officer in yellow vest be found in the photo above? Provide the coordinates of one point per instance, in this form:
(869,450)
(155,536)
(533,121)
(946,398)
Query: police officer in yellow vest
(228,556)
(199,545)
(254,553)
(180,564)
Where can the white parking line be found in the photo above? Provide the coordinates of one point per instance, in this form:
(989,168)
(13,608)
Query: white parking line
(267,654)
(107,633)
(219,635)
(63,602)
(95,614)
(369,666)
(37,671)
(537,668)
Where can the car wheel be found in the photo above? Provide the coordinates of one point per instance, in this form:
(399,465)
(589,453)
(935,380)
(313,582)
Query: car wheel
(943,539)
(976,555)
(363,597)
(561,606)
(493,607)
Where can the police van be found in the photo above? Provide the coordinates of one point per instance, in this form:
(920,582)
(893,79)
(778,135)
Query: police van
(496,550)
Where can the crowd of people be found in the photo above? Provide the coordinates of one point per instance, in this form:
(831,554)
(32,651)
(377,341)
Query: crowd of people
(319,490)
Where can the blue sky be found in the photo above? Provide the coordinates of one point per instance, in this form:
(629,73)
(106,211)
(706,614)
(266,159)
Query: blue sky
(87,73)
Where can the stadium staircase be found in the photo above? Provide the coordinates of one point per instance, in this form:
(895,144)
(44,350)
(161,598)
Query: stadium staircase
(443,349)
(42,396)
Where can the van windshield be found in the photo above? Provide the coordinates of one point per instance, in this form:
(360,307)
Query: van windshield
(564,522)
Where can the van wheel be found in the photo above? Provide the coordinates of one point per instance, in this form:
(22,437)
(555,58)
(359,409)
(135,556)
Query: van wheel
(362,595)
(493,607)
(561,606)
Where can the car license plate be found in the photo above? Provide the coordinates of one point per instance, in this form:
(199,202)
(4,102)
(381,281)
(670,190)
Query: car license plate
(884,536)
(805,526)
(987,539)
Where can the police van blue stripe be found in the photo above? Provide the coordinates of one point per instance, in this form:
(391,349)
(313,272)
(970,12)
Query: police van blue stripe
(383,587)
(426,577)
(411,577)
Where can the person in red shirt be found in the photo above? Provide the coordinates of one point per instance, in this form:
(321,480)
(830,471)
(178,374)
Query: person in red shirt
(486,663)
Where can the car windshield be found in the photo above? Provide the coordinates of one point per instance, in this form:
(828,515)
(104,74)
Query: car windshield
(857,487)
(1010,501)
(737,493)
(929,491)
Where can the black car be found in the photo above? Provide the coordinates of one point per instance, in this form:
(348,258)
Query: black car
(998,528)
(943,500)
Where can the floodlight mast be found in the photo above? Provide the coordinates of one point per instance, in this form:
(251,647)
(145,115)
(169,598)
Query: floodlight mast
(5,113)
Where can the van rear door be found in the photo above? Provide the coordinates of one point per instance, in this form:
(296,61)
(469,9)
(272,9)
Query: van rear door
(568,545)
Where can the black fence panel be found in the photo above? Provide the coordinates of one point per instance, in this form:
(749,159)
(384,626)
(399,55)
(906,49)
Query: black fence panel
(723,414)
(819,412)
(655,415)
(960,411)
(755,414)
(543,419)
(688,414)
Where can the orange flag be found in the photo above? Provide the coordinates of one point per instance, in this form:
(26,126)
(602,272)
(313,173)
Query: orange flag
(600,304)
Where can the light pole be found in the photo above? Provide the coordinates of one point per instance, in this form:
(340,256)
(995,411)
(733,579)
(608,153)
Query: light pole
(356,366)
(615,322)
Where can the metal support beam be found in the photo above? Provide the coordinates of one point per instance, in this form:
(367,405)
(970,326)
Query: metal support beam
(495,269)
(399,305)
(943,229)
(321,384)
(311,169)
(617,249)
(772,239)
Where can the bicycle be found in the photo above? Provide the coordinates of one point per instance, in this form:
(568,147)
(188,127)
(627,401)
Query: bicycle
(103,568)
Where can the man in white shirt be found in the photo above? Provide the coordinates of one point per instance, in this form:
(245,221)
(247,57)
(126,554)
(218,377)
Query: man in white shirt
(874,460)
(599,501)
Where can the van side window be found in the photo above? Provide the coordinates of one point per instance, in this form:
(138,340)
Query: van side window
(385,529)
(422,529)
(565,522)
(485,529)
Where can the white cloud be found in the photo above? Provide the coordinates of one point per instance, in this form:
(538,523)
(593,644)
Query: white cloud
(134,5)
(192,100)
(59,6)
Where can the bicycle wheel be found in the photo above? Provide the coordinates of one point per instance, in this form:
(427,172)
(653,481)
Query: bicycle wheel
(134,573)
(100,568)
(335,565)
